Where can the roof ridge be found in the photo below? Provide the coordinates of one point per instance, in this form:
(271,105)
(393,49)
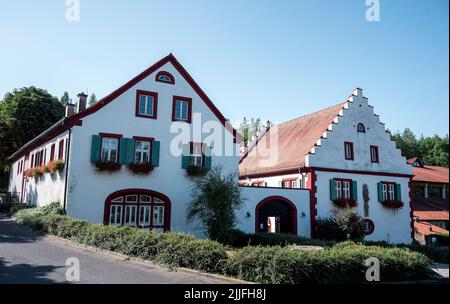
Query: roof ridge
(306,115)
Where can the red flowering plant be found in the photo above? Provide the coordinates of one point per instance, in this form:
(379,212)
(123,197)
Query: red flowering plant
(39,171)
(29,172)
(393,204)
(143,168)
(107,166)
(345,203)
(55,166)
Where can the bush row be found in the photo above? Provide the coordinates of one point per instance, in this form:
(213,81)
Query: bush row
(276,264)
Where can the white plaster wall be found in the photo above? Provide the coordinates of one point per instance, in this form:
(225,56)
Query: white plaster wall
(391,225)
(88,189)
(47,189)
(330,151)
(253,196)
(15,179)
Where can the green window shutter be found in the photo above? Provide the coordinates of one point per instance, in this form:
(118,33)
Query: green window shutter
(355,190)
(155,153)
(208,157)
(399,192)
(95,148)
(185,156)
(123,151)
(332,189)
(129,159)
(380,192)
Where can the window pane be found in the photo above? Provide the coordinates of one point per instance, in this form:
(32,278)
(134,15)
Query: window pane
(150,100)
(142,100)
(131,199)
(146,199)
(158,215)
(178,109)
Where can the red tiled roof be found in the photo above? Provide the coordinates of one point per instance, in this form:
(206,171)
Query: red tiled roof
(431,215)
(432,174)
(430,204)
(428,229)
(295,140)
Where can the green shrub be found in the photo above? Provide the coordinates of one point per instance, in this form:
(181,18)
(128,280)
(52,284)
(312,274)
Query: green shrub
(53,209)
(13,208)
(327,229)
(333,265)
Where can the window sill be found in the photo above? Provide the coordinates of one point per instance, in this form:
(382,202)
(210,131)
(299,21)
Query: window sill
(345,203)
(393,204)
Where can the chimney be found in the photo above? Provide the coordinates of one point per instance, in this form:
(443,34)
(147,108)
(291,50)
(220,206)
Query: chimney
(82,100)
(70,109)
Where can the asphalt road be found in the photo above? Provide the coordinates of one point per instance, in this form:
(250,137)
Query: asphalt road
(26,257)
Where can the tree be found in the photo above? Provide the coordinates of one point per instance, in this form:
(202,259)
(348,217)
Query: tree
(65,99)
(248,129)
(92,100)
(24,114)
(215,200)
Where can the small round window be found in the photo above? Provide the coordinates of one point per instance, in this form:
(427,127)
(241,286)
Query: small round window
(361,128)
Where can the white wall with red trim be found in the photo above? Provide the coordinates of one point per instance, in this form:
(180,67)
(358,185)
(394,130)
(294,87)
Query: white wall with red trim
(253,196)
(39,191)
(392,225)
(89,189)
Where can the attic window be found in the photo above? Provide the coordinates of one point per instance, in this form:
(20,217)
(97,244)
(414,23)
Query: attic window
(361,128)
(165,77)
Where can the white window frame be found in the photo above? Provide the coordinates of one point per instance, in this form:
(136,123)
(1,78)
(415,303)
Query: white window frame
(108,147)
(184,110)
(159,213)
(140,150)
(115,219)
(338,189)
(127,218)
(346,190)
(145,98)
(147,220)
(196,155)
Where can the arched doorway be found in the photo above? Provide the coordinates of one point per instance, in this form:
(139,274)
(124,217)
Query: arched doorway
(276,214)
(139,208)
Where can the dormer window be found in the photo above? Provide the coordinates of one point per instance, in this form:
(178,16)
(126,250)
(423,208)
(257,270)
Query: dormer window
(361,128)
(165,77)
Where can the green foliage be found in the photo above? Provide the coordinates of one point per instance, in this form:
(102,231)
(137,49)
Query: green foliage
(24,114)
(277,265)
(65,99)
(249,128)
(92,100)
(433,151)
(341,223)
(215,199)
(54,208)
(274,265)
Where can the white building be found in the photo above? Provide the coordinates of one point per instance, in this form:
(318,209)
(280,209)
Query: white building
(345,157)
(129,160)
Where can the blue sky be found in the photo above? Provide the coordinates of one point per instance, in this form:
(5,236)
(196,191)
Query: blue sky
(270,59)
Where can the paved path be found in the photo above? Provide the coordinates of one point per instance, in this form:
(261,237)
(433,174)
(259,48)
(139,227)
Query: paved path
(26,257)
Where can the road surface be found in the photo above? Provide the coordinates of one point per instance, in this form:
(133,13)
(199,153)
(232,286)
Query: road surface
(27,257)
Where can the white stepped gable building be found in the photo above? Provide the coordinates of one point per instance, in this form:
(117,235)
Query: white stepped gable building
(344,156)
(125,161)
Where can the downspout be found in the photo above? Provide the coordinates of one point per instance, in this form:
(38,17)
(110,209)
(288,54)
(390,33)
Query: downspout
(66,182)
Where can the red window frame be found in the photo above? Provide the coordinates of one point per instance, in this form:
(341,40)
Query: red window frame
(139,93)
(167,74)
(377,156)
(32,161)
(110,135)
(52,152)
(352,156)
(147,139)
(387,190)
(186,99)
(61,149)
(342,180)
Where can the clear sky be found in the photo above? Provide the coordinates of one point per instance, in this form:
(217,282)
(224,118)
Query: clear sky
(270,59)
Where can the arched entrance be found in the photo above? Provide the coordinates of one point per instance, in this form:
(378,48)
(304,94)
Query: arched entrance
(139,208)
(276,214)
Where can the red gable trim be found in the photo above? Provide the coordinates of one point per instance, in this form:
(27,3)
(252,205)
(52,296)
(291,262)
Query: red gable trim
(170,58)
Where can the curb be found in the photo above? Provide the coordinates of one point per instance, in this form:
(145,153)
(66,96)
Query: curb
(148,263)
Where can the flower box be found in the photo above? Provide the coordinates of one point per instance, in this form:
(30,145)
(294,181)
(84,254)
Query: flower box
(39,171)
(345,203)
(109,166)
(196,171)
(29,172)
(55,166)
(141,168)
(393,204)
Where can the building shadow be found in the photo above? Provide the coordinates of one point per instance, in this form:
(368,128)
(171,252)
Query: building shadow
(25,273)
(12,232)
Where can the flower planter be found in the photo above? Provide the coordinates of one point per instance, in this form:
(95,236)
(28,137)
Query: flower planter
(39,171)
(393,204)
(196,171)
(54,166)
(107,167)
(345,203)
(141,168)
(29,173)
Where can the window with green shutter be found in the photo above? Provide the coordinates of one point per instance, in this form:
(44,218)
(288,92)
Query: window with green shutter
(355,190)
(208,157)
(185,156)
(155,153)
(333,193)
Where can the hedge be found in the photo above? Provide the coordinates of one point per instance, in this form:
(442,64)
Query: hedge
(275,264)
